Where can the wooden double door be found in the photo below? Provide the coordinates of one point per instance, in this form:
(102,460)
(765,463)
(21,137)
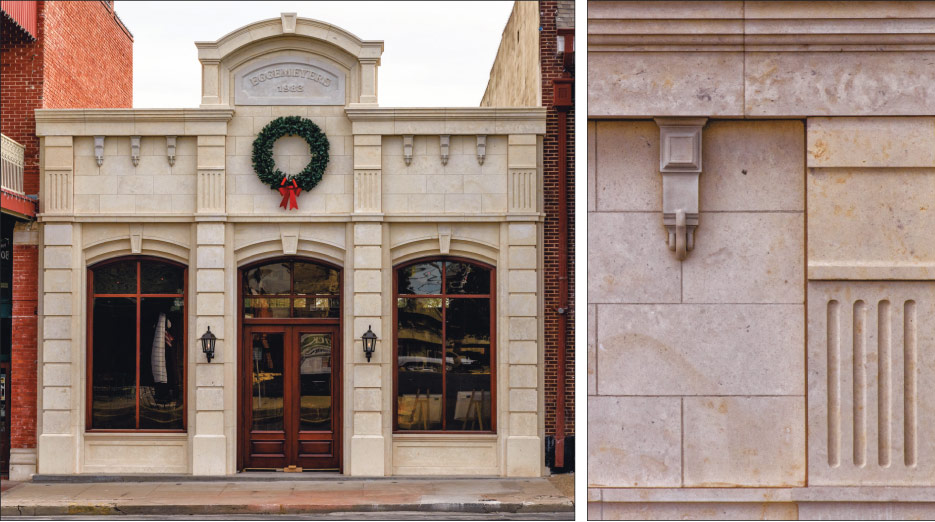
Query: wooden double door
(290,406)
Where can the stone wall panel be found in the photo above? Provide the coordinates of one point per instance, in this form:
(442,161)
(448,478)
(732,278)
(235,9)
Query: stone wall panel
(700,349)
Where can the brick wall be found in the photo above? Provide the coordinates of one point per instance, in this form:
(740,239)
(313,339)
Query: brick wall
(23,367)
(551,68)
(82,57)
(21,66)
(88,57)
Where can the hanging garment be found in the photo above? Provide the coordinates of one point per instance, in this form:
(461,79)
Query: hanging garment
(158,357)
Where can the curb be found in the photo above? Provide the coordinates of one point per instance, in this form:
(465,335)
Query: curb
(285,509)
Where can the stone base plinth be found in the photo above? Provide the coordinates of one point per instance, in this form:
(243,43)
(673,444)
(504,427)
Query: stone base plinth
(22,464)
(810,503)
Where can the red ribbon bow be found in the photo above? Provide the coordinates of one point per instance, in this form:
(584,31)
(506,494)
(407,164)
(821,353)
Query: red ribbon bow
(289,192)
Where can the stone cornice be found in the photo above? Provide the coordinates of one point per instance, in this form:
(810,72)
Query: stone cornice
(127,122)
(303,27)
(761,26)
(156,217)
(451,120)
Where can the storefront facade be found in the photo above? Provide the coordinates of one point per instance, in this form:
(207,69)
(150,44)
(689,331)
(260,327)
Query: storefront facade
(761,334)
(425,229)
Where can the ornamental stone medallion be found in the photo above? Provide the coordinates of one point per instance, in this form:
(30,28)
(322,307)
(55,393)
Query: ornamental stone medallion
(290,80)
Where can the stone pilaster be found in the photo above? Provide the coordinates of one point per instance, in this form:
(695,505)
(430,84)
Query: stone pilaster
(524,442)
(522,189)
(368,80)
(523,445)
(368,174)
(211,81)
(60,360)
(209,445)
(368,449)
(57,175)
(211,193)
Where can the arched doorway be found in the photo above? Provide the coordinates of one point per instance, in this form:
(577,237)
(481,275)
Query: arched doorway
(290,365)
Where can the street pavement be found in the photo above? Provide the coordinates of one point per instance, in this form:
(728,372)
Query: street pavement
(332,498)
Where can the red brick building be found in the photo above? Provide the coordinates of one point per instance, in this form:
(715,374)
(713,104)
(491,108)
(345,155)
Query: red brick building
(535,67)
(53,55)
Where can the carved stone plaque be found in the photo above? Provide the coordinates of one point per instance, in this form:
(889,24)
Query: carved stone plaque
(292,80)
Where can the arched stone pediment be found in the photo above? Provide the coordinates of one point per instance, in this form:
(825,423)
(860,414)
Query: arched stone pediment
(289,61)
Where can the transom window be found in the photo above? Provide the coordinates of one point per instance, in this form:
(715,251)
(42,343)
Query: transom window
(285,289)
(444,346)
(136,345)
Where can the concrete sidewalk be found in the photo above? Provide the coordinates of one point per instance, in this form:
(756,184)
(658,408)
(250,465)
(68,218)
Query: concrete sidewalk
(219,497)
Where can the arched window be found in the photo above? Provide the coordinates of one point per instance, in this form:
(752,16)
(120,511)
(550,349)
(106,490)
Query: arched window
(136,345)
(286,288)
(444,346)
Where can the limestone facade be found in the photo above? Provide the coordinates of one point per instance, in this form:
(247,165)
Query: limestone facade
(402,184)
(776,360)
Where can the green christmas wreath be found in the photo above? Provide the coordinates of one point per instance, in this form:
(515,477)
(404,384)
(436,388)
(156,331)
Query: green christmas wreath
(265,165)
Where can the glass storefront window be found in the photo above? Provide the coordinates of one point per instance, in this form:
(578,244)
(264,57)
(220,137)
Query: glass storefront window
(444,347)
(137,346)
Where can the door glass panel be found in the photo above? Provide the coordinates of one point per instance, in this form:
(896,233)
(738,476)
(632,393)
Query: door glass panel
(274,278)
(467,360)
(465,278)
(157,277)
(162,363)
(315,381)
(311,278)
(317,307)
(267,359)
(421,278)
(116,278)
(420,358)
(113,396)
(266,307)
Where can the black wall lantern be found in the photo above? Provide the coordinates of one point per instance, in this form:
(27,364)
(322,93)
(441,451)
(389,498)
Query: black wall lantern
(207,344)
(370,342)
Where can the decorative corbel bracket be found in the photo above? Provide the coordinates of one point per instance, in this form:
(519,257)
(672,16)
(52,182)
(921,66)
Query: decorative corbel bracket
(680,166)
(407,149)
(170,149)
(99,150)
(481,148)
(135,150)
(443,142)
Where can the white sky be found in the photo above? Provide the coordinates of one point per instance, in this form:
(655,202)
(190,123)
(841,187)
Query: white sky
(436,54)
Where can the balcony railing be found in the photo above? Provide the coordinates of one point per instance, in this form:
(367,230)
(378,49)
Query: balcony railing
(12,166)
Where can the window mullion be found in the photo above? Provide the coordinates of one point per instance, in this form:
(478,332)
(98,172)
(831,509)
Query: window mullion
(444,362)
(138,304)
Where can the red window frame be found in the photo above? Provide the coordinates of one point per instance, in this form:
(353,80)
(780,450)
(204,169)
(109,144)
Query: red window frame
(89,355)
(492,296)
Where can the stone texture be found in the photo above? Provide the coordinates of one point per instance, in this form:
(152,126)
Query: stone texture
(700,349)
(626,166)
(628,261)
(839,83)
(592,349)
(647,84)
(752,165)
(880,221)
(868,423)
(867,510)
(871,142)
(634,442)
(592,165)
(744,441)
(700,511)
(742,257)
